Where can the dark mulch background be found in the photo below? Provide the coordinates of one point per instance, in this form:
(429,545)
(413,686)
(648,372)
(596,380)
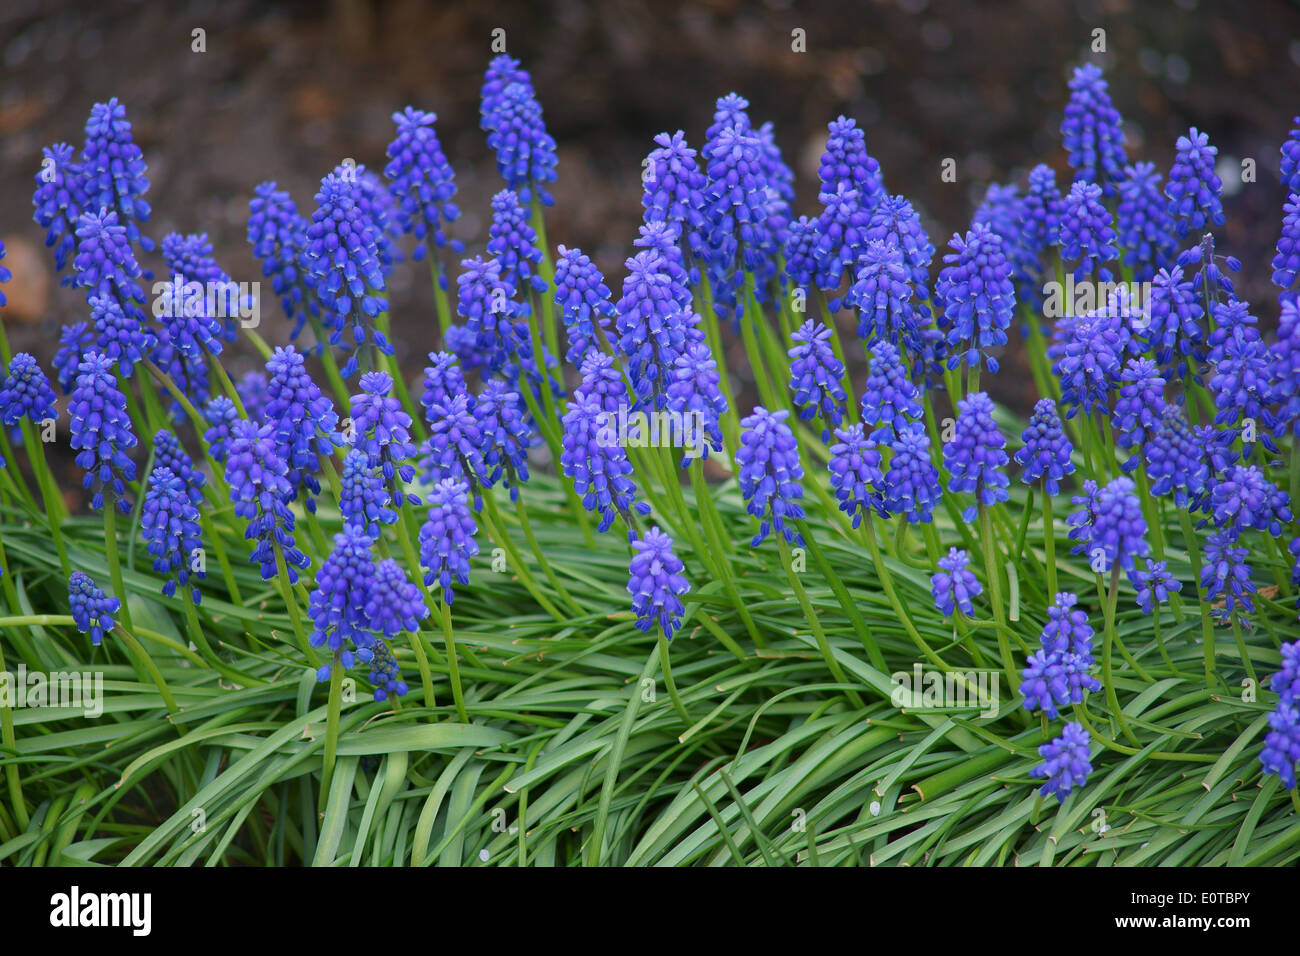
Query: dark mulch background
(286,91)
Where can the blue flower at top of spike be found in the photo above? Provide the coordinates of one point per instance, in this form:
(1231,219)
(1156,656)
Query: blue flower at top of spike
(656,584)
(221,415)
(1040,212)
(422,182)
(1080,520)
(597,463)
(890,399)
(25,392)
(1285,369)
(363,498)
(693,390)
(486,301)
(102,431)
(1091,130)
(652,329)
(337,606)
(456,446)
(1139,406)
(856,477)
(1087,357)
(780,197)
(385,672)
(1226,573)
(1245,498)
(1281,751)
(512,241)
(105,264)
(304,419)
(1242,386)
(894,216)
(506,435)
(816,376)
(846,160)
(119,336)
(954,585)
(1175,322)
(1145,228)
(186,331)
(113,170)
(1066,764)
(168,453)
(342,254)
(1002,210)
(602,380)
(882,293)
(976,456)
(977,295)
(800,252)
(768,459)
(913,482)
(665,239)
(169,524)
(1194,188)
(735,207)
(525,151)
(1232,320)
(190,258)
(841,235)
(252,391)
(1087,232)
(1047,449)
(92,609)
(673,186)
(501,72)
(443,380)
(395,603)
(278,235)
(260,491)
(1286,264)
(1289,168)
(59,201)
(1154,585)
(1118,527)
(382,431)
(74,341)
(447,537)
(584,301)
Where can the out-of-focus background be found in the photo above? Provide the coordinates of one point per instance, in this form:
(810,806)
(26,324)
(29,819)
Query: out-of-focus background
(286,91)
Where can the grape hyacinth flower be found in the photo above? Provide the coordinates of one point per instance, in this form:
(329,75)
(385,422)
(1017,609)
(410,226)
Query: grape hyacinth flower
(456,446)
(59,201)
(447,537)
(913,482)
(169,525)
(816,376)
(260,490)
(1139,407)
(92,609)
(304,420)
(1091,130)
(1194,188)
(841,236)
(1284,370)
(954,584)
(656,584)
(1080,520)
(603,382)
(517,134)
(513,243)
(443,380)
(1154,585)
(1143,224)
(1175,321)
(1060,670)
(381,429)
(1281,750)
(846,160)
(190,260)
(1286,264)
(486,301)
(422,183)
(395,604)
(673,186)
(1087,355)
(1244,498)
(882,294)
(856,477)
(977,295)
(74,341)
(1226,573)
(252,391)
(1047,449)
(363,498)
(112,170)
(1118,526)
(1065,764)
(652,329)
(505,435)
(1002,210)
(338,605)
(665,239)
(385,673)
(102,431)
(597,464)
(25,392)
(890,399)
(769,474)
(584,302)
(119,336)
(799,252)
(278,235)
(1087,232)
(168,453)
(1040,212)
(977,454)
(342,254)
(221,415)
(693,391)
(735,207)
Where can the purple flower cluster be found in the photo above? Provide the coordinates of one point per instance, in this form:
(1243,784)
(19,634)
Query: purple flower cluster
(1060,670)
(768,459)
(656,584)
(954,585)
